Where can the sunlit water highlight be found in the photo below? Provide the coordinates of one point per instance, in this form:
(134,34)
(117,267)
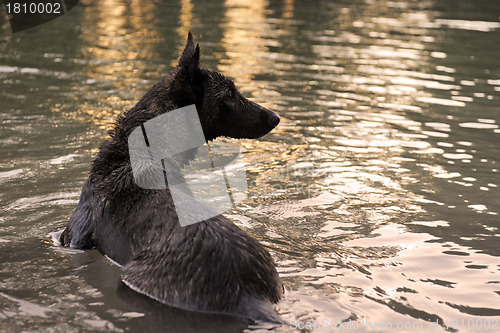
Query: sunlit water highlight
(378,194)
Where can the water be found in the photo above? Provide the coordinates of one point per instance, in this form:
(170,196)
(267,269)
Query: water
(378,194)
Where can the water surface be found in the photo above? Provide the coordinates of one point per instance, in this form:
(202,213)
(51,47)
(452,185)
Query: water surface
(378,194)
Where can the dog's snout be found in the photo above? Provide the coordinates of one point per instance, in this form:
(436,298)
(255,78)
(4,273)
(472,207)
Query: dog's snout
(274,119)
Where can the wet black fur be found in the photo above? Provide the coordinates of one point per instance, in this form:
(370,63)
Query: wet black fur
(209,266)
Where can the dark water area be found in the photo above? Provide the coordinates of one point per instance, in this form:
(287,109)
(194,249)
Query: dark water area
(378,194)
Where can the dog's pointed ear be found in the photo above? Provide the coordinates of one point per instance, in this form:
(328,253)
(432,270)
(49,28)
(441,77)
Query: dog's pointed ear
(190,57)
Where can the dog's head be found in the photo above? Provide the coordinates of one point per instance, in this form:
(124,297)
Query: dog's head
(222,110)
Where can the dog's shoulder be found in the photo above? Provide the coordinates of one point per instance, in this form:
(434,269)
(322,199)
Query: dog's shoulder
(90,226)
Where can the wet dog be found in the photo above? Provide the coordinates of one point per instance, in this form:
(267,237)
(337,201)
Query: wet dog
(210,266)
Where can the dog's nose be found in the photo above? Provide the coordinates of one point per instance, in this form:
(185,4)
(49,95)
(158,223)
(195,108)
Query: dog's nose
(274,119)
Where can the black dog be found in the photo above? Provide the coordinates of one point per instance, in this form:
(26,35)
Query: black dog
(211,266)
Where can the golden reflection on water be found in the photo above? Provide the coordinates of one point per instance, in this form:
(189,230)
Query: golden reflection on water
(118,37)
(288,7)
(185,21)
(244,22)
